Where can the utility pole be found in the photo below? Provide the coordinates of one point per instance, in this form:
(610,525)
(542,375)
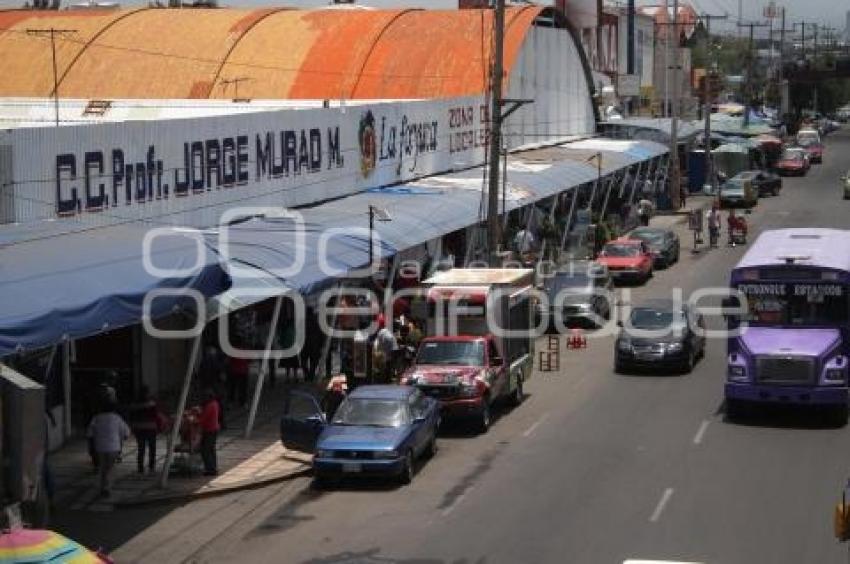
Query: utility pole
(675,180)
(749,84)
(814,67)
(782,33)
(493,228)
(815,51)
(740,16)
(802,37)
(666,110)
(52,32)
(780,76)
(709,75)
(630,45)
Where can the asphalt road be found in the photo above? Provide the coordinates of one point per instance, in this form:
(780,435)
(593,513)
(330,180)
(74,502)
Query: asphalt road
(593,467)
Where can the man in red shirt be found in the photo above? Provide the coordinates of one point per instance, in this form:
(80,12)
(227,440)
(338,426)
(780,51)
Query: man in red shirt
(209,432)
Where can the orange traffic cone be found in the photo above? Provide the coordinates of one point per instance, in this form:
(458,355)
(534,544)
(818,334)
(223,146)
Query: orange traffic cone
(577,340)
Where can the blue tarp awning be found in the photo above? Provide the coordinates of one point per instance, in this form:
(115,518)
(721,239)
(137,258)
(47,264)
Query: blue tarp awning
(420,211)
(56,285)
(60,280)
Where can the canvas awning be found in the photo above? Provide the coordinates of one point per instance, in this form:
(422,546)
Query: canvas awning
(56,285)
(318,245)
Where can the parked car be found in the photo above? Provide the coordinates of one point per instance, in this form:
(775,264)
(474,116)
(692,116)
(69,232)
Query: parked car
(845,183)
(580,294)
(660,334)
(375,431)
(465,373)
(765,183)
(814,149)
(807,135)
(739,192)
(794,160)
(627,259)
(663,244)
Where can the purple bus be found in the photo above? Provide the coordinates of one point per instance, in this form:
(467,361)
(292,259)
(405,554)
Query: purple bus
(794,336)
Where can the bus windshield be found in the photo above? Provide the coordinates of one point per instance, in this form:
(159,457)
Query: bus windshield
(795,304)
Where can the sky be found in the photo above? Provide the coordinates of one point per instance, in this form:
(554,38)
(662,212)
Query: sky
(824,12)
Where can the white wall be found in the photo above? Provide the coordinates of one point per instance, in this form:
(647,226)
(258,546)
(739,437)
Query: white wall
(49,164)
(550,72)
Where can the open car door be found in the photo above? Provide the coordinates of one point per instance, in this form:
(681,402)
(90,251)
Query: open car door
(302,422)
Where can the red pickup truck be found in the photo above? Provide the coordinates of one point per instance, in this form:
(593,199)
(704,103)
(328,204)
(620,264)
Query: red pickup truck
(465,373)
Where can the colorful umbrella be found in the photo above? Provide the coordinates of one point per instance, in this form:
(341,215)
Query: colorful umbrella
(32,546)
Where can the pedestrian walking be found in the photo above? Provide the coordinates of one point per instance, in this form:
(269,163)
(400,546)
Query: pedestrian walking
(386,345)
(145,421)
(103,397)
(108,432)
(209,432)
(683,197)
(644,211)
(713,220)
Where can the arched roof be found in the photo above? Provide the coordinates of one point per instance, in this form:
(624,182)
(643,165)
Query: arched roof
(266,53)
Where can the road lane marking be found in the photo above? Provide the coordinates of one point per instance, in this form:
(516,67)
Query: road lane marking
(701,431)
(535,425)
(657,562)
(662,503)
(456,502)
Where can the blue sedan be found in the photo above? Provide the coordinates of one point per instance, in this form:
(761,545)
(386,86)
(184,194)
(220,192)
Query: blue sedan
(376,431)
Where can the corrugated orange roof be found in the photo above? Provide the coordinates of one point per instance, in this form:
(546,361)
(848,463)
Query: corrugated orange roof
(268,53)
(26,67)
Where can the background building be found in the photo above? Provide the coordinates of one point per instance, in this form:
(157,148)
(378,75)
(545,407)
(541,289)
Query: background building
(219,76)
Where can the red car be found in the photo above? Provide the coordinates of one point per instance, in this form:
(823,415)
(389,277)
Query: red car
(815,152)
(793,161)
(627,259)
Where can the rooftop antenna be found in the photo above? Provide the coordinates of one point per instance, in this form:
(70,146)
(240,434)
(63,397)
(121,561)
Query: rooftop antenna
(225,82)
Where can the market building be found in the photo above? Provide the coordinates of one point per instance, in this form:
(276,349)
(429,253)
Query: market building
(329,112)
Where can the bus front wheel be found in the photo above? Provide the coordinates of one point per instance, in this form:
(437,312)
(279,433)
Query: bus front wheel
(734,409)
(840,415)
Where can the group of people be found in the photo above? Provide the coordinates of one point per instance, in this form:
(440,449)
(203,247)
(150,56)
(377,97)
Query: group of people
(108,431)
(395,344)
(736,226)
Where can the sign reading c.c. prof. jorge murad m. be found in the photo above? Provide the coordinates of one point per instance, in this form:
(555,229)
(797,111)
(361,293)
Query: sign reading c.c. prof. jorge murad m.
(189,171)
(96,180)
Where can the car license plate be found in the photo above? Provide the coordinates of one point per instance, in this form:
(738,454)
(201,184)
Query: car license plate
(647,355)
(351,467)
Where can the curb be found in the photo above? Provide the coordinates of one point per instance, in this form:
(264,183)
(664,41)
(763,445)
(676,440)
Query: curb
(244,485)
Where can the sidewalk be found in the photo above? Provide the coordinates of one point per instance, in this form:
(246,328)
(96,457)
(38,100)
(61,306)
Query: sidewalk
(243,463)
(668,218)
